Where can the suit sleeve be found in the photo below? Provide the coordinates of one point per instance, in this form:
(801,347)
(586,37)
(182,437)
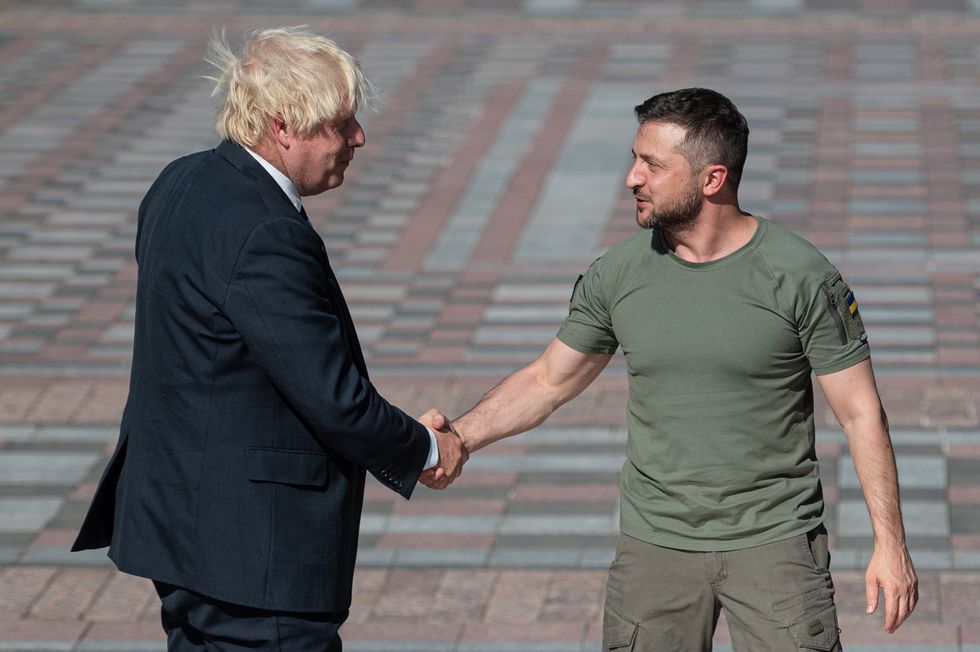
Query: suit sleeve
(277,299)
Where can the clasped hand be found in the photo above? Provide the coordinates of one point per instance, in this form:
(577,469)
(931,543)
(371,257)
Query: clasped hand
(452,452)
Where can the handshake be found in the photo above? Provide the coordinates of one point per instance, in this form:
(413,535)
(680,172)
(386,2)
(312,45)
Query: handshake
(453,451)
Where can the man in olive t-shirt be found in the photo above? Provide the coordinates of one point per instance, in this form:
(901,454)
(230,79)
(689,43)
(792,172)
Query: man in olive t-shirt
(722,317)
(719,355)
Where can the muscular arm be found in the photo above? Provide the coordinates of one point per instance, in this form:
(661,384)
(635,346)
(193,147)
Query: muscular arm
(528,396)
(853,397)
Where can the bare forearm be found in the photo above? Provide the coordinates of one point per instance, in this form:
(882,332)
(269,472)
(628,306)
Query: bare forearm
(874,461)
(853,396)
(520,402)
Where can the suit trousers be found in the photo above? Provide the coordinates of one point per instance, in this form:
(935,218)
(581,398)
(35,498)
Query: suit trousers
(776,597)
(194,623)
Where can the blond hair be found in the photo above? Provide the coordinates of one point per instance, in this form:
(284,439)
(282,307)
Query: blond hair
(288,73)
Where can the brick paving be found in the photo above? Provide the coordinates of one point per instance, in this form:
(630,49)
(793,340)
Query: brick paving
(491,178)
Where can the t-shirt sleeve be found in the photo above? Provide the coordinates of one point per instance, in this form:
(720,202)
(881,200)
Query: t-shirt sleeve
(831,327)
(588,326)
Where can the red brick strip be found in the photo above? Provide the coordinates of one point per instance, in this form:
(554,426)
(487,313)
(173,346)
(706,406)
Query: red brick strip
(16,108)
(505,226)
(39,174)
(427,221)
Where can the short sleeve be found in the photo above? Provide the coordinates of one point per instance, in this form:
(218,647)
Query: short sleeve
(588,327)
(831,328)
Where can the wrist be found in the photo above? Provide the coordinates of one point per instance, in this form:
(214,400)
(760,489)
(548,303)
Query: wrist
(893,543)
(464,431)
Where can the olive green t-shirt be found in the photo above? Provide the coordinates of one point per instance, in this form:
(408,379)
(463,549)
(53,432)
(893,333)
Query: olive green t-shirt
(720,454)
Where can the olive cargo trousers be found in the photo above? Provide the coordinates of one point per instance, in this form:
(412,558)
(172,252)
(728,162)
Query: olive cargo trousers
(777,597)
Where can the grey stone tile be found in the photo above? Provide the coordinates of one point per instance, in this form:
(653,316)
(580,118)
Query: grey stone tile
(440,557)
(36,646)
(522,335)
(375,557)
(522,646)
(886,149)
(123,646)
(373,523)
(72,513)
(585,181)
(570,477)
(845,559)
(17,433)
(932,559)
(575,435)
(926,518)
(906,335)
(887,238)
(888,177)
(968,560)
(76,434)
(557,463)
(598,557)
(964,471)
(47,468)
(892,315)
(533,314)
(965,519)
(399,646)
(547,541)
(449,524)
(548,524)
(531,558)
(914,471)
(26,514)
(45,555)
(9,554)
(559,508)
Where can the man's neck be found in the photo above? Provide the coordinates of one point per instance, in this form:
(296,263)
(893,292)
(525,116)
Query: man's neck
(277,174)
(716,233)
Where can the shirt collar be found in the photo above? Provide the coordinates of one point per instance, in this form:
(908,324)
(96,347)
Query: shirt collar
(284,182)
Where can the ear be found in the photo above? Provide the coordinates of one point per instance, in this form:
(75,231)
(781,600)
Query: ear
(281,132)
(714,179)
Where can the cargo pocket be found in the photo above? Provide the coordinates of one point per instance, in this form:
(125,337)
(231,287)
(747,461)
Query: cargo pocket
(818,632)
(617,632)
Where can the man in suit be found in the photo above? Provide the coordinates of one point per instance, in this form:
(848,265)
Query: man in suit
(238,479)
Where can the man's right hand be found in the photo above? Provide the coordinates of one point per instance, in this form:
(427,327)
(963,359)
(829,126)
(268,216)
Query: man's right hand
(452,452)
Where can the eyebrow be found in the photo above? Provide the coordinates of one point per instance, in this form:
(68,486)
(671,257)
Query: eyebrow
(653,160)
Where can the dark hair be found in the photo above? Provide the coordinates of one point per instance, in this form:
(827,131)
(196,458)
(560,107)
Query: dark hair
(716,133)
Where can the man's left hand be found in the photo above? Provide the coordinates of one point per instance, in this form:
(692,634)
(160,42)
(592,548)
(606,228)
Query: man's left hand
(891,569)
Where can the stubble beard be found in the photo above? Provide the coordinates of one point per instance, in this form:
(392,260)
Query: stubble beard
(679,214)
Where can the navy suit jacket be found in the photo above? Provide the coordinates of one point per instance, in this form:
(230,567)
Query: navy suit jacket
(250,420)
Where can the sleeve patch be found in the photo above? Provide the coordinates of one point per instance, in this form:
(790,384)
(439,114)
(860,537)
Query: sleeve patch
(844,309)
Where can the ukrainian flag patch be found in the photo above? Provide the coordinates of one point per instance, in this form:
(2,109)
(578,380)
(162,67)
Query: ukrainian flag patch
(844,304)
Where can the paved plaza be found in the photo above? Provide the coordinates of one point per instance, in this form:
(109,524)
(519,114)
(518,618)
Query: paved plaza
(491,179)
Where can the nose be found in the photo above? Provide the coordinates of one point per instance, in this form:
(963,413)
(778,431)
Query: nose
(357,138)
(633,178)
